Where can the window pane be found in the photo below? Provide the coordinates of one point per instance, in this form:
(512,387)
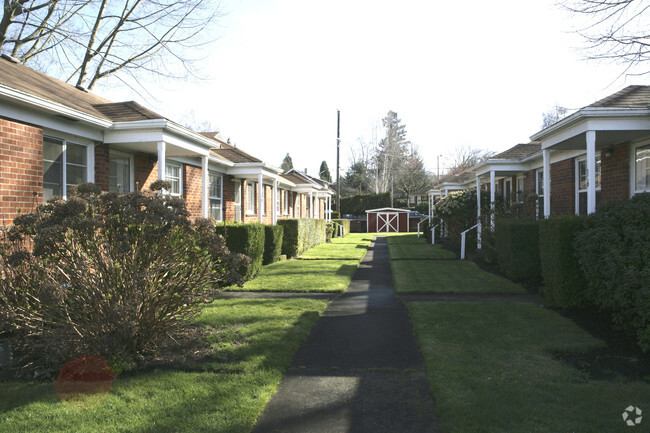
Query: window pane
(76,154)
(215,186)
(75,175)
(540,183)
(215,209)
(642,168)
(173,176)
(52,168)
(119,174)
(582,175)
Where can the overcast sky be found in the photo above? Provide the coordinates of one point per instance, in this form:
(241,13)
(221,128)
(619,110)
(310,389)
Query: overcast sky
(457,73)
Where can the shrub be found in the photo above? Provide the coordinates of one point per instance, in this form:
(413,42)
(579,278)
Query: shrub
(110,275)
(517,247)
(613,251)
(272,243)
(247,239)
(458,212)
(423,208)
(301,234)
(346,226)
(330,230)
(564,283)
(359,204)
(336,215)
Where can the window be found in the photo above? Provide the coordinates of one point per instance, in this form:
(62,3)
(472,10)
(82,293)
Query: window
(298,208)
(540,183)
(119,177)
(263,200)
(285,201)
(174,175)
(582,174)
(582,184)
(215,194)
(278,199)
(250,198)
(642,169)
(237,201)
(308,207)
(520,189)
(64,164)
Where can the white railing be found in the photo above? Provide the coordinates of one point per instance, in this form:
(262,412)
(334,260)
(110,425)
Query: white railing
(433,233)
(462,241)
(421,221)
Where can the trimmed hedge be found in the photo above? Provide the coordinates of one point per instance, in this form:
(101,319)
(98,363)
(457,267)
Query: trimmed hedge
(247,239)
(301,234)
(272,243)
(346,226)
(330,231)
(614,254)
(563,279)
(517,247)
(359,204)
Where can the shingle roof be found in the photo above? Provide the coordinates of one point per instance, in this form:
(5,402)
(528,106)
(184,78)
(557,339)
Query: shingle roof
(126,111)
(35,83)
(519,151)
(295,177)
(629,97)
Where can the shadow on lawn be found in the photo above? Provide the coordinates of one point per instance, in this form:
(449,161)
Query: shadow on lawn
(262,351)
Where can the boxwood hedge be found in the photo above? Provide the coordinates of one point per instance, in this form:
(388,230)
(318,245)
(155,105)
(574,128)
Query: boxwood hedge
(247,239)
(517,247)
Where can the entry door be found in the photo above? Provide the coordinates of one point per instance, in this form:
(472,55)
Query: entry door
(387,222)
(237,200)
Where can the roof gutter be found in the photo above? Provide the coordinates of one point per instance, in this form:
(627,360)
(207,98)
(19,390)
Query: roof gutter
(52,107)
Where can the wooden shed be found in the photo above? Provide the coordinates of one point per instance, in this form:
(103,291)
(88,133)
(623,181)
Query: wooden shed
(387,220)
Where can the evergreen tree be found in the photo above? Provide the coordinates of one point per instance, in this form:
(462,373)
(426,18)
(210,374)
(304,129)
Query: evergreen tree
(324,172)
(392,152)
(287,163)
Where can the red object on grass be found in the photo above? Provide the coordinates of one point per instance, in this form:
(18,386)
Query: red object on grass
(84,375)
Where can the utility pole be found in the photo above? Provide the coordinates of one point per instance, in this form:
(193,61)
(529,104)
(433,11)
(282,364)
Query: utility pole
(338,154)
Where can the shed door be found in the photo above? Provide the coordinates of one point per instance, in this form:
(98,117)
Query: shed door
(387,222)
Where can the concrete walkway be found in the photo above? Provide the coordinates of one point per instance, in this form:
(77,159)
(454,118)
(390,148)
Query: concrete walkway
(360,369)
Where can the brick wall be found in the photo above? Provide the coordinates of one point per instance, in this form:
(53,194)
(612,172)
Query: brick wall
(146,171)
(21,169)
(229,198)
(192,185)
(102,166)
(562,187)
(615,173)
(530,183)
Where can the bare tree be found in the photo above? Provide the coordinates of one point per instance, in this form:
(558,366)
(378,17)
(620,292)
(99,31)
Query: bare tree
(413,177)
(465,157)
(84,41)
(617,29)
(554,115)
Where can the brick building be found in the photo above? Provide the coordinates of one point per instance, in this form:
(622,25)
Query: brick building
(54,135)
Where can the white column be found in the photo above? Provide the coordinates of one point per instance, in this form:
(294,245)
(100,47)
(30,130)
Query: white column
(275,201)
(493,194)
(478,212)
(546,154)
(591,172)
(162,150)
(260,197)
(205,187)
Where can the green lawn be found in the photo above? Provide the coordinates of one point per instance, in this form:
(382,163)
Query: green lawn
(447,276)
(302,276)
(226,393)
(497,368)
(324,268)
(352,247)
(400,251)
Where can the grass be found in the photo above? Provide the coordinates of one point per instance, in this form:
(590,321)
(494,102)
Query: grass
(321,276)
(421,251)
(256,340)
(448,276)
(326,268)
(503,368)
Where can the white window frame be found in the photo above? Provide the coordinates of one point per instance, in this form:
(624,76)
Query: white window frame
(180,178)
(633,168)
(90,161)
(131,158)
(213,198)
(578,189)
(250,198)
(298,207)
(278,202)
(237,199)
(520,191)
(285,202)
(539,186)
